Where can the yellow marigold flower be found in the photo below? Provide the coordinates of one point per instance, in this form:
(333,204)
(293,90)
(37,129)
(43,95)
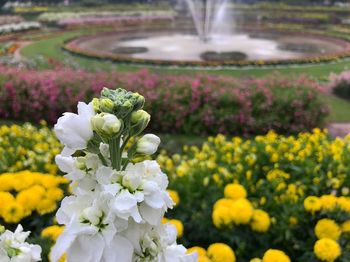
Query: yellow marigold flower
(327,228)
(255,260)
(260,221)
(345,227)
(235,191)
(223,202)
(29,199)
(46,206)
(52,232)
(55,194)
(274,255)
(5,198)
(201,251)
(327,249)
(241,211)
(179,226)
(312,204)
(174,196)
(329,202)
(221,216)
(344,203)
(220,252)
(13,212)
(204,259)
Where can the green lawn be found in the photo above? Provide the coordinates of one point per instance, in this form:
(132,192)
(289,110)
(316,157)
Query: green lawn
(340,108)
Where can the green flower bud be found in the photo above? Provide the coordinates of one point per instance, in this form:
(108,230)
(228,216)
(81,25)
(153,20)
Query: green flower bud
(2,229)
(80,163)
(139,101)
(106,105)
(124,102)
(96,104)
(139,121)
(106,125)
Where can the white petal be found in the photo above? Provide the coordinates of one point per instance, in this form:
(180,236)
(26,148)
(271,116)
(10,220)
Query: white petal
(151,215)
(87,248)
(120,250)
(65,164)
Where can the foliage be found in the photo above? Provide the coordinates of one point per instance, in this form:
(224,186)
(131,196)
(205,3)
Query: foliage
(190,105)
(296,180)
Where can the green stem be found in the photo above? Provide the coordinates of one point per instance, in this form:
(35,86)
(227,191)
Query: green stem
(118,153)
(113,150)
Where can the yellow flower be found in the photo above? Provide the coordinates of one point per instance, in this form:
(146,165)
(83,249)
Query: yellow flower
(344,203)
(174,196)
(255,260)
(260,221)
(204,259)
(223,202)
(46,206)
(327,249)
(55,194)
(235,191)
(5,198)
(201,251)
(179,226)
(312,204)
(241,211)
(13,212)
(52,232)
(329,202)
(274,255)
(345,227)
(327,228)
(220,252)
(221,216)
(29,199)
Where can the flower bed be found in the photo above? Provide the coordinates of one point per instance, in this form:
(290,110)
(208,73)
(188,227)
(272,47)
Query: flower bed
(56,17)
(183,104)
(111,21)
(18,27)
(27,147)
(10,19)
(270,192)
(29,198)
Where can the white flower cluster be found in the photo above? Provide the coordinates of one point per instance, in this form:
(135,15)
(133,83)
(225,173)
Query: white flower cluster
(17,27)
(13,247)
(116,208)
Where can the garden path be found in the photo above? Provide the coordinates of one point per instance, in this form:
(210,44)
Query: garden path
(338,129)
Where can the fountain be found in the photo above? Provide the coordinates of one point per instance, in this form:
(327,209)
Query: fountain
(209,17)
(214,41)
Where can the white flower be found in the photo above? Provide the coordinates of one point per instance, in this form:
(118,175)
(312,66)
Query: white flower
(74,130)
(132,181)
(106,124)
(148,144)
(16,241)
